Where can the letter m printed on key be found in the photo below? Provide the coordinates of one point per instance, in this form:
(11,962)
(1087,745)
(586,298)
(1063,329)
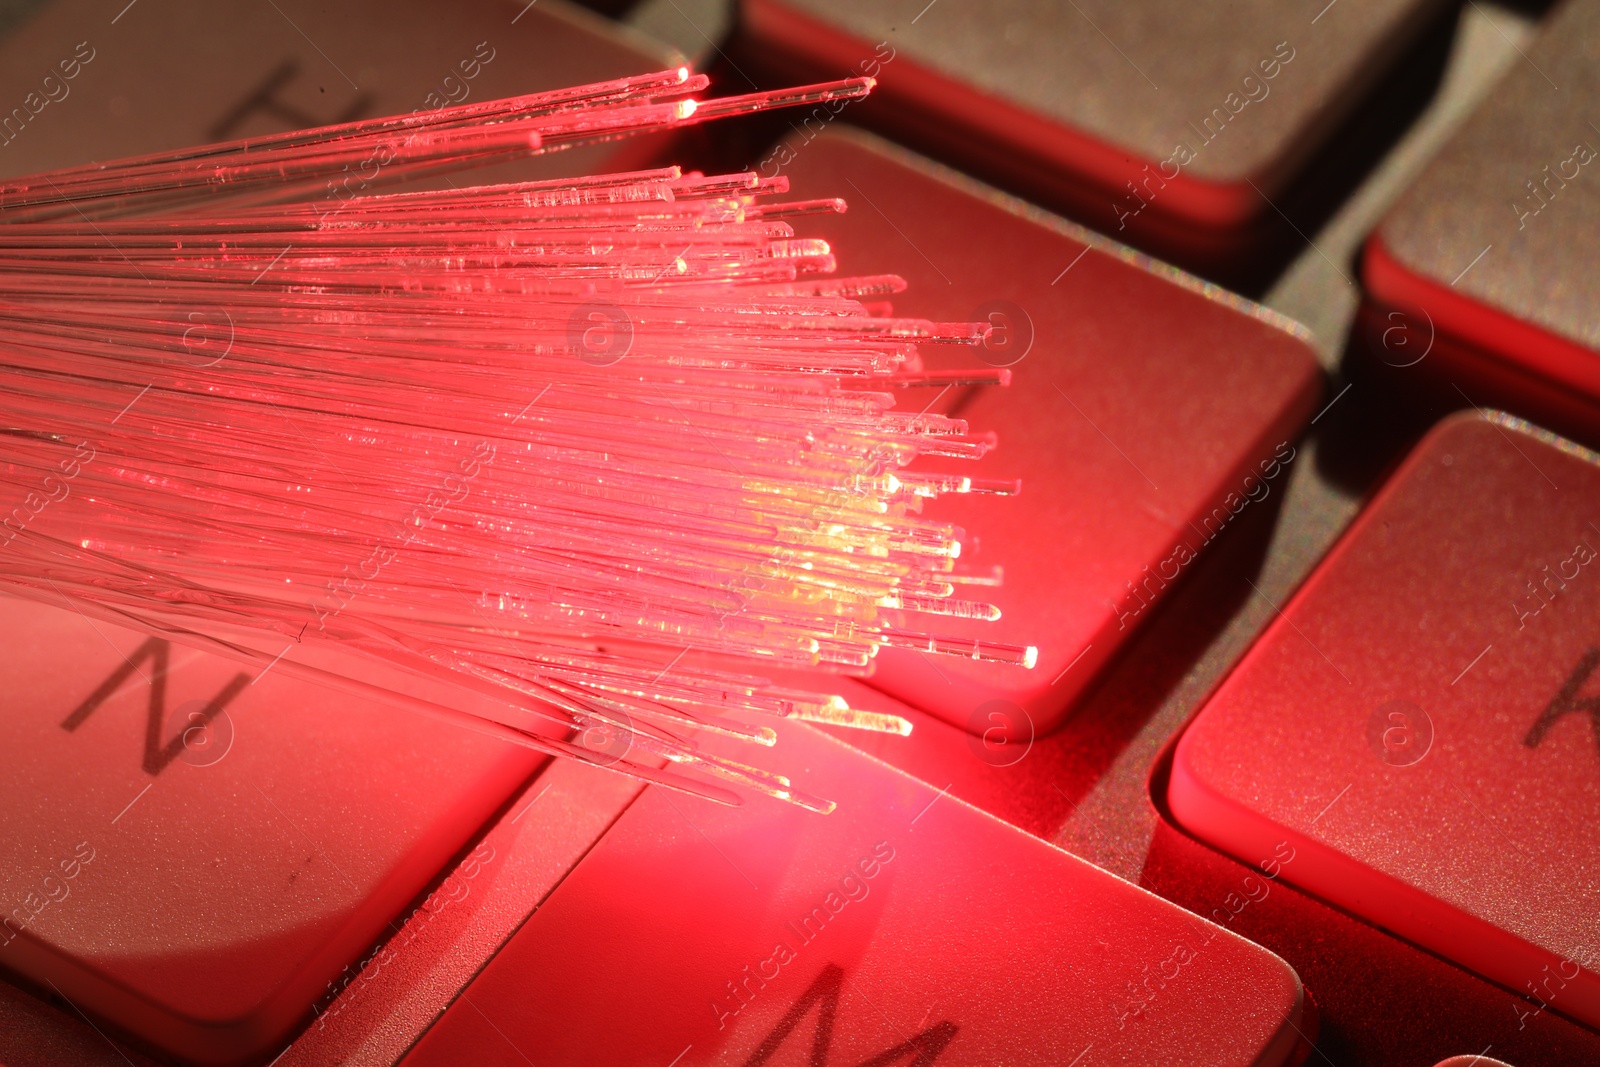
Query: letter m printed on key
(919,1050)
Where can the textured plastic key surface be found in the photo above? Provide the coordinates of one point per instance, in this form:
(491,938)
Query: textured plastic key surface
(905,927)
(1421,724)
(182,72)
(1142,416)
(193,855)
(1162,120)
(1491,245)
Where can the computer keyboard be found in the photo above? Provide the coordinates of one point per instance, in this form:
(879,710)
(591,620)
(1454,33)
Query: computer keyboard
(1337,854)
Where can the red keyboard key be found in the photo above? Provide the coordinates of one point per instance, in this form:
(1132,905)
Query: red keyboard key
(142,84)
(905,927)
(1170,126)
(1144,413)
(1421,723)
(192,851)
(1487,256)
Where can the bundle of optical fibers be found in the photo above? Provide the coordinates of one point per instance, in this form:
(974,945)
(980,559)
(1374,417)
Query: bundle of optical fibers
(583,445)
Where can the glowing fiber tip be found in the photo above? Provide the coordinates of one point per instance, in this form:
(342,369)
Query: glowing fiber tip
(877,722)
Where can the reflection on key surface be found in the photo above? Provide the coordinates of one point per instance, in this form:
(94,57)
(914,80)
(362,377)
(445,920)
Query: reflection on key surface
(904,927)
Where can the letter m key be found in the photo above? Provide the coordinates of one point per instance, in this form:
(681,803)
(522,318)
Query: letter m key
(921,1050)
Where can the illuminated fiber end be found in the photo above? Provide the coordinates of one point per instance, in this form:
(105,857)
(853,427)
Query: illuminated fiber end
(686,108)
(683,75)
(960,333)
(985,651)
(973,376)
(854,718)
(995,578)
(819,805)
(960,609)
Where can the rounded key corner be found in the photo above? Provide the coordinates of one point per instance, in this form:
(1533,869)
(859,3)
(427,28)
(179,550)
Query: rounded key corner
(1047,723)
(1294,348)
(1199,808)
(236,1037)
(1001,721)
(1193,804)
(1380,268)
(1481,327)
(1225,204)
(1312,384)
(1469,422)
(1391,282)
(1297,1032)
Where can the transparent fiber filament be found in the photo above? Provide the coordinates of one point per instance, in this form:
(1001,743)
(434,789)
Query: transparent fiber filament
(604,448)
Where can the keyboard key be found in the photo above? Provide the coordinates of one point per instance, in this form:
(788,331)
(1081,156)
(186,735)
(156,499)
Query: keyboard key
(1168,126)
(905,927)
(193,852)
(1420,725)
(1144,413)
(140,83)
(389,998)
(1483,252)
